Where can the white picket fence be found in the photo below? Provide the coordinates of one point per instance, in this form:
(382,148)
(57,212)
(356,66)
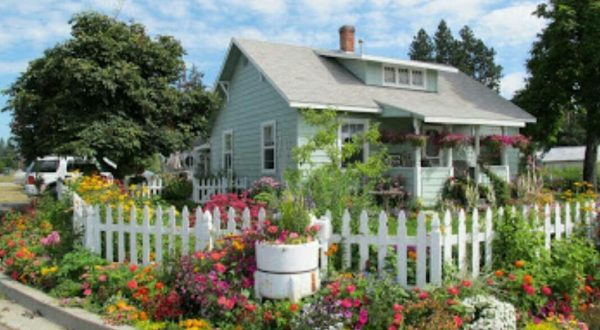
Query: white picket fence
(206,188)
(166,233)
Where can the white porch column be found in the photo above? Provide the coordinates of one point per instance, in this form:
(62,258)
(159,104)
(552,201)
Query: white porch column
(477,151)
(449,153)
(504,157)
(417,169)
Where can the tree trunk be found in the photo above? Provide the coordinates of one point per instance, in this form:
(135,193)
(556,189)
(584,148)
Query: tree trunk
(591,158)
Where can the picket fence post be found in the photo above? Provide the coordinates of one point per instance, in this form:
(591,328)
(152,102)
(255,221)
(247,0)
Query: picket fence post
(489,238)
(347,257)
(435,251)
(547,227)
(363,247)
(120,235)
(185,231)
(401,250)
(475,243)
(158,224)
(447,237)
(557,222)
(382,242)
(133,236)
(462,242)
(109,234)
(421,250)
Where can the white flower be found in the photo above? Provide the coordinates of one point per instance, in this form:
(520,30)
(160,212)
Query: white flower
(490,313)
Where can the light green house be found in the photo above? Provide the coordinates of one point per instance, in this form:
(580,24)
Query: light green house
(264,84)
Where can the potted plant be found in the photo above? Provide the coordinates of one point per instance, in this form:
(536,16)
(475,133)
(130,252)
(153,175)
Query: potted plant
(416,140)
(454,140)
(497,142)
(287,256)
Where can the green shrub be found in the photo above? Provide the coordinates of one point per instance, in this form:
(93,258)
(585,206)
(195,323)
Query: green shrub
(177,192)
(563,178)
(500,187)
(76,263)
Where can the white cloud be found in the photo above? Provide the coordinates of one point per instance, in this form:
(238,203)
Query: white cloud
(13,67)
(511,83)
(510,26)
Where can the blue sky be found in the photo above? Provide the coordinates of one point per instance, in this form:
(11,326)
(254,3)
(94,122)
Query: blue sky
(204,27)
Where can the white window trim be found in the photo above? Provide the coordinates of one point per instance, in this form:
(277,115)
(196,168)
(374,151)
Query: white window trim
(410,74)
(439,129)
(273,124)
(363,121)
(223,152)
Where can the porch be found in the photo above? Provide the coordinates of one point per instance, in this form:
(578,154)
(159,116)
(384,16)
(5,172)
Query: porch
(425,163)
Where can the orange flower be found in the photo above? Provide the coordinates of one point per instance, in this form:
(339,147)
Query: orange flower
(293,308)
(528,279)
(588,289)
(412,255)
(499,273)
(332,250)
(519,263)
(159,286)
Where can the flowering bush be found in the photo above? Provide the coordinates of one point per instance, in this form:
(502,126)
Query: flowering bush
(391,137)
(238,202)
(265,184)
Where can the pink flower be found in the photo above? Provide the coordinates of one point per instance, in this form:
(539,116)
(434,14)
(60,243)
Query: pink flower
(363,316)
(423,295)
(294,235)
(102,278)
(52,239)
(398,308)
(453,291)
(347,303)
(458,321)
(87,292)
(350,288)
(272,229)
(529,290)
(546,291)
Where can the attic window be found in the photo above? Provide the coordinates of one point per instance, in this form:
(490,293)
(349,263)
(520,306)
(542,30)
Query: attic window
(403,77)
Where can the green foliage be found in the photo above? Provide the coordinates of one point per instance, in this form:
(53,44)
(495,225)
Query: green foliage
(9,158)
(59,214)
(468,53)
(76,263)
(109,91)
(564,75)
(294,215)
(340,183)
(500,187)
(421,48)
(515,238)
(177,191)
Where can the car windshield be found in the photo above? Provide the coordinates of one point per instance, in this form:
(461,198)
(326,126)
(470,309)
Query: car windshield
(45,166)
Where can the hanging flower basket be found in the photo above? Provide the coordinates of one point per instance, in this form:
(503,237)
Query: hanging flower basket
(497,142)
(521,142)
(389,137)
(454,140)
(416,140)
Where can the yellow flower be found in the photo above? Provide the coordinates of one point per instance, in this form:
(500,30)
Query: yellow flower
(111,309)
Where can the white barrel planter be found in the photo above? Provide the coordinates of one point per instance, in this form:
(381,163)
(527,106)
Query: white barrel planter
(286,271)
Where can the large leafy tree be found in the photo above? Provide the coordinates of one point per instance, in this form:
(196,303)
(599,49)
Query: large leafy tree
(108,91)
(564,82)
(468,53)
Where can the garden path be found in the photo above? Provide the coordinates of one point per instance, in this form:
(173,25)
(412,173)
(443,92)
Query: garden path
(16,317)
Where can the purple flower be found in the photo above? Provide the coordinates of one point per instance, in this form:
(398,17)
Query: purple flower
(52,239)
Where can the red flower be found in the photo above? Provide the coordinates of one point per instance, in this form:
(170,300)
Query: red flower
(398,308)
(293,308)
(132,285)
(159,286)
(347,303)
(458,321)
(350,288)
(272,229)
(250,307)
(454,291)
(133,268)
(219,268)
(423,295)
(466,284)
(529,290)
(268,316)
(546,291)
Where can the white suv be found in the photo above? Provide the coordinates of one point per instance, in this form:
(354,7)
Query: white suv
(46,171)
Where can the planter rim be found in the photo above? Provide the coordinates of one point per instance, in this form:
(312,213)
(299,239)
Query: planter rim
(287,246)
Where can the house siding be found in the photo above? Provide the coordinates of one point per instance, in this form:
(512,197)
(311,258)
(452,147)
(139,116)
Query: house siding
(253,101)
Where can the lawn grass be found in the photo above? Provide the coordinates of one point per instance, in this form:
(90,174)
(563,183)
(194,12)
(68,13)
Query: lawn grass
(6,178)
(12,193)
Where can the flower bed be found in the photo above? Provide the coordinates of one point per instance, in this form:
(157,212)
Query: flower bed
(214,289)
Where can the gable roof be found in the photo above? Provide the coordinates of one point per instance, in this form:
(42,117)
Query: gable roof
(307,77)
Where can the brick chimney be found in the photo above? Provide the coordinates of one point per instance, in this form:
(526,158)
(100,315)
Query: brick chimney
(347,38)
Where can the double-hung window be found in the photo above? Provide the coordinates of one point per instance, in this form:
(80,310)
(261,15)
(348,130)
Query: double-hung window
(349,129)
(268,146)
(228,151)
(403,77)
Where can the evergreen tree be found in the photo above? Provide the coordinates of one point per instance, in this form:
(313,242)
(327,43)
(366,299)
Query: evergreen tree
(468,53)
(422,48)
(445,44)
